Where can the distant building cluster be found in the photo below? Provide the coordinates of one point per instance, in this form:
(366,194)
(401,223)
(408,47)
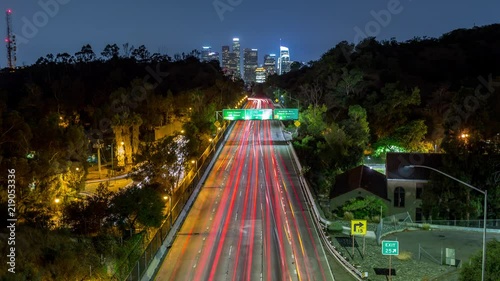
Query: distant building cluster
(248,67)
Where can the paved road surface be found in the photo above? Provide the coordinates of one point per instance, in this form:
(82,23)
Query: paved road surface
(250,220)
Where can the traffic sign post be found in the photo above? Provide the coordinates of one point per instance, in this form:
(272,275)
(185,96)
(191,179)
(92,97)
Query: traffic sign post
(390,248)
(358,227)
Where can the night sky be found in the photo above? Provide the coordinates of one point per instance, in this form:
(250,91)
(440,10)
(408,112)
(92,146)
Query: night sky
(308,28)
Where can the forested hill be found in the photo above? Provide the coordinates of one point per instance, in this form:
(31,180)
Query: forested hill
(455,59)
(76,84)
(444,70)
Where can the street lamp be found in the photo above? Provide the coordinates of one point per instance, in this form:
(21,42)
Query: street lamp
(168,199)
(484,192)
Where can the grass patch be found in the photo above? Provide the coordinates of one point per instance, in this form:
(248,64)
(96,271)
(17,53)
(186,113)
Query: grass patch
(404,256)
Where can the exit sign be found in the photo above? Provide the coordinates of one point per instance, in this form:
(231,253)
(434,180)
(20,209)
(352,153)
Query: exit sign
(390,248)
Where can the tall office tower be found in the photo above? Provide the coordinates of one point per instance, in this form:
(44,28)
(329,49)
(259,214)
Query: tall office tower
(284,60)
(208,55)
(233,66)
(225,60)
(237,58)
(250,63)
(205,53)
(213,56)
(270,64)
(260,75)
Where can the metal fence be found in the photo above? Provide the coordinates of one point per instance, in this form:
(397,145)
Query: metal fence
(132,270)
(392,223)
(491,223)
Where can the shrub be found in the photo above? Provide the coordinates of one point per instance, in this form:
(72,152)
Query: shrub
(426,226)
(376,219)
(335,227)
(348,216)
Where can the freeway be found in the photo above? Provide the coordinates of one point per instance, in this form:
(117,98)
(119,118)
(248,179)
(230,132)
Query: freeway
(250,220)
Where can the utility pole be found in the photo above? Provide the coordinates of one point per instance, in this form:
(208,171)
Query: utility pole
(99,145)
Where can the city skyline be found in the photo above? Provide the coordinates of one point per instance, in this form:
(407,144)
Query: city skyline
(309,29)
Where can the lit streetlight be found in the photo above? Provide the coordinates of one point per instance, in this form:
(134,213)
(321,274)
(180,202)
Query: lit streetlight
(168,198)
(485,193)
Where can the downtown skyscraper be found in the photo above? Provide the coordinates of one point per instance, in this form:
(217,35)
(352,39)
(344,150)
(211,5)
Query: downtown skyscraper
(208,55)
(231,60)
(284,60)
(250,63)
(226,57)
(236,58)
(270,64)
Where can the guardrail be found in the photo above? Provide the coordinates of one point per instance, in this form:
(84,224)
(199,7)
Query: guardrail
(322,223)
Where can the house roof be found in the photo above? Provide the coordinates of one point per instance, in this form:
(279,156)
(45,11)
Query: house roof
(360,177)
(395,166)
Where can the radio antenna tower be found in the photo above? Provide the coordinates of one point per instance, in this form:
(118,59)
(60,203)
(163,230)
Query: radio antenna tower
(11,42)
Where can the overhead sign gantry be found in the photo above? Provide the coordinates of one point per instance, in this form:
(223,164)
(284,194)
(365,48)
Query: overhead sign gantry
(261,114)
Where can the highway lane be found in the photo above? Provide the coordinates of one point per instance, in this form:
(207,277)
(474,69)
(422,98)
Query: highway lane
(250,220)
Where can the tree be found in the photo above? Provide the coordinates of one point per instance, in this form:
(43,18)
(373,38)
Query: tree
(163,163)
(136,206)
(141,54)
(390,110)
(296,65)
(111,51)
(313,120)
(86,54)
(364,207)
(127,49)
(471,270)
(64,58)
(350,82)
(88,216)
(407,138)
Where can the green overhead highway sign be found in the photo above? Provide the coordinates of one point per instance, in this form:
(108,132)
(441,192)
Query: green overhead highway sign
(233,114)
(261,114)
(247,114)
(286,113)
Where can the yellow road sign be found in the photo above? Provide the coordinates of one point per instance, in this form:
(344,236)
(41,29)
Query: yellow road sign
(358,227)
(296,123)
(217,124)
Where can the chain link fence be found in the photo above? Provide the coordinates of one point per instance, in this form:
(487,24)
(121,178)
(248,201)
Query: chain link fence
(393,223)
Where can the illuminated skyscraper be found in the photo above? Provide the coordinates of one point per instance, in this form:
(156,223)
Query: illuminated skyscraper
(208,55)
(260,75)
(250,63)
(205,53)
(284,60)
(270,64)
(237,57)
(225,60)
